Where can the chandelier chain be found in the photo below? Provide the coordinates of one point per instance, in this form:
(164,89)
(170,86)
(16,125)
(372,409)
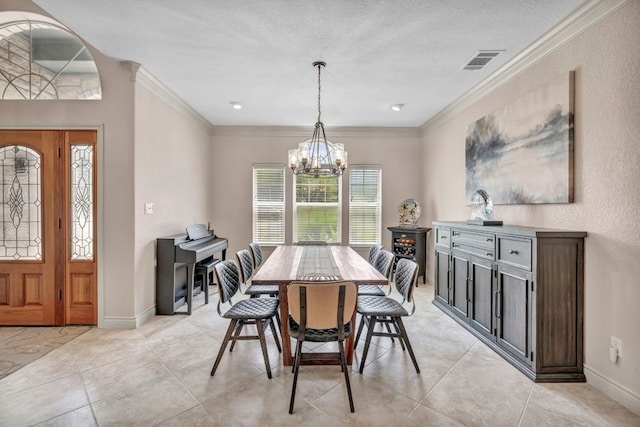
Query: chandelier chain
(319,67)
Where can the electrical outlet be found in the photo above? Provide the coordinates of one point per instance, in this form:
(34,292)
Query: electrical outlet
(617,344)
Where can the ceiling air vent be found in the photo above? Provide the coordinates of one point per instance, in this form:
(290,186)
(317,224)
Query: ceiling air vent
(480,59)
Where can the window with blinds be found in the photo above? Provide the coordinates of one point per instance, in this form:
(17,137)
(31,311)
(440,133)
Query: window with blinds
(365,204)
(268,204)
(317,212)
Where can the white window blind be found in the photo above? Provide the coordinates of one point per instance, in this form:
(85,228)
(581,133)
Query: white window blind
(365,204)
(317,213)
(268,204)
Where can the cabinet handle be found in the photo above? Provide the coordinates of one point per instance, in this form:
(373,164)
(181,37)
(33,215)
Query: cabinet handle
(512,252)
(489,239)
(497,304)
(489,254)
(444,237)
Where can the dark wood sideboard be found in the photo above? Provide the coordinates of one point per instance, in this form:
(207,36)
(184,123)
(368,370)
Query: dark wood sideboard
(520,290)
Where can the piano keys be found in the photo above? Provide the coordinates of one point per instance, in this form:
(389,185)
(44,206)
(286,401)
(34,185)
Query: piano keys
(178,258)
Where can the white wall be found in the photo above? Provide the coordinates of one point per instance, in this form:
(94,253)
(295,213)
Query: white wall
(172,171)
(115,115)
(236,149)
(607,197)
(154,148)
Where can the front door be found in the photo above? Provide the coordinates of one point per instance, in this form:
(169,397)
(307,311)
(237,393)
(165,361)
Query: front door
(47,234)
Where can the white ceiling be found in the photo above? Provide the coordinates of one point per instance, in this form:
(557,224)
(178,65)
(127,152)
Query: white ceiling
(259,52)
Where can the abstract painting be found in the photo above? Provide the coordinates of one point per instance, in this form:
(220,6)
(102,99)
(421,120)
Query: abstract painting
(522,153)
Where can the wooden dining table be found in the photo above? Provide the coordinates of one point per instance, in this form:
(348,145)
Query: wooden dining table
(292,263)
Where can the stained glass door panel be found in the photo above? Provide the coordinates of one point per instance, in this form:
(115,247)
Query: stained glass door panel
(27,234)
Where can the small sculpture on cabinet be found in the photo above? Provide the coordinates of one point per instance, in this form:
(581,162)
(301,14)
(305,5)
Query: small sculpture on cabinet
(482,209)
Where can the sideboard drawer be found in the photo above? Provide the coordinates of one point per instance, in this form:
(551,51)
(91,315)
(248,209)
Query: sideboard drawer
(515,252)
(484,240)
(486,253)
(443,237)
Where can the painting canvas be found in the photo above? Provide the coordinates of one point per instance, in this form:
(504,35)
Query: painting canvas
(522,153)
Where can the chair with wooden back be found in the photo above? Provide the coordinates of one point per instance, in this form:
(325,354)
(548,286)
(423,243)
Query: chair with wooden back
(321,312)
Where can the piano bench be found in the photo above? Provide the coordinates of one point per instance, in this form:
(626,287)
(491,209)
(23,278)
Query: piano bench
(205,269)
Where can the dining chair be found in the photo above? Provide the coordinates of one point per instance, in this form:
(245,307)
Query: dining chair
(375,309)
(383,263)
(256,254)
(373,253)
(245,262)
(252,311)
(321,312)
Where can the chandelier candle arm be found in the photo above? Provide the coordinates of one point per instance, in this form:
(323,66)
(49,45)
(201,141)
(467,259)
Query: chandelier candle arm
(318,157)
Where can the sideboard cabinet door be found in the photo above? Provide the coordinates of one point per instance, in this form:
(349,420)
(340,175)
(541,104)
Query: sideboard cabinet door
(514,312)
(481,297)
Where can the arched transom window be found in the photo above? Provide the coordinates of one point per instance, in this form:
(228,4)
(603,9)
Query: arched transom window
(40,60)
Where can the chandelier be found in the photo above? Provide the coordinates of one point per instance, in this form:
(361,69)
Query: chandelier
(318,157)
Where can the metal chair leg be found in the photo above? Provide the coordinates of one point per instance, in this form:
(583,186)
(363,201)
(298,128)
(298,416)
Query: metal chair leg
(296,368)
(343,363)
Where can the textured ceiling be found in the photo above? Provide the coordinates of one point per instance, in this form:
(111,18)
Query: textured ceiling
(259,52)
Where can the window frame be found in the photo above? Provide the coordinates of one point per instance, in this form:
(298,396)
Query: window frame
(277,205)
(337,204)
(376,205)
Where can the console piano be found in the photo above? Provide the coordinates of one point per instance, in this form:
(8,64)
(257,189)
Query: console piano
(178,258)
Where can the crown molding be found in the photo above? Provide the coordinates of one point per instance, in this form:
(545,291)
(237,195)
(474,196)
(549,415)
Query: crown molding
(305,132)
(146,79)
(583,18)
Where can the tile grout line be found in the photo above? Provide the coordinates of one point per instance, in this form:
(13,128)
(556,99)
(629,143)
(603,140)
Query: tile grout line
(526,405)
(441,379)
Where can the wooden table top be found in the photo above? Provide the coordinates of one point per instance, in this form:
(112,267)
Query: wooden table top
(282,267)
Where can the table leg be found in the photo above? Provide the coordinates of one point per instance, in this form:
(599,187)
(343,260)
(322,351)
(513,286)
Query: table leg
(287,357)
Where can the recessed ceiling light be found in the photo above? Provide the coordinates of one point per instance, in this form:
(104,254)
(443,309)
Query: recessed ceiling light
(236,105)
(397,107)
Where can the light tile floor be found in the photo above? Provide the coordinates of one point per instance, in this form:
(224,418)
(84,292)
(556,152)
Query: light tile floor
(159,375)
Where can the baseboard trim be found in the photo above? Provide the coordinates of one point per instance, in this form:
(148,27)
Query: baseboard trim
(129,322)
(615,391)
